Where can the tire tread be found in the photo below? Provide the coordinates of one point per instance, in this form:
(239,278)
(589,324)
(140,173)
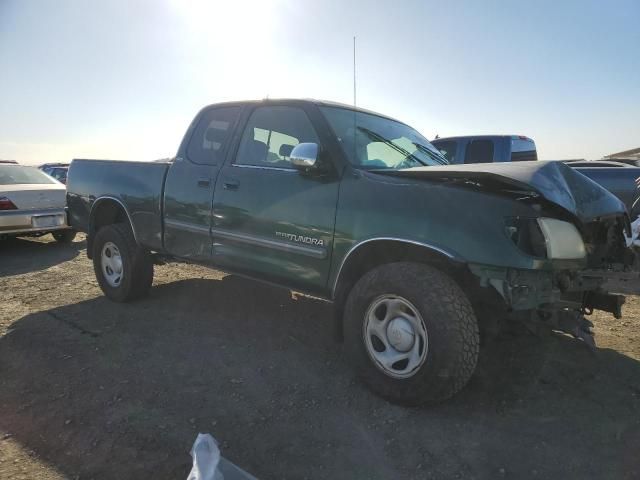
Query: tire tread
(443,298)
(141,269)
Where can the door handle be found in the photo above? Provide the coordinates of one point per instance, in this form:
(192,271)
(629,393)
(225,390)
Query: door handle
(204,182)
(230,184)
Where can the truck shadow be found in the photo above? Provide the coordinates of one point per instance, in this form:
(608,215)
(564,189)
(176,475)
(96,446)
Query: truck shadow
(104,390)
(24,255)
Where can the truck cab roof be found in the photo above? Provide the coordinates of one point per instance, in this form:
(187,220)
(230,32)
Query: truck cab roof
(298,101)
(482,137)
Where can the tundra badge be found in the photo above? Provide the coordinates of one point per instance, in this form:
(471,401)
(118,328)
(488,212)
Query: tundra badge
(301,239)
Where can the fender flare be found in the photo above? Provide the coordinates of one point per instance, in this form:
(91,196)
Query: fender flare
(92,214)
(453,256)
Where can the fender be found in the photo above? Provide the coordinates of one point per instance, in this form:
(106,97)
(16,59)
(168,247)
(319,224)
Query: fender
(433,248)
(92,215)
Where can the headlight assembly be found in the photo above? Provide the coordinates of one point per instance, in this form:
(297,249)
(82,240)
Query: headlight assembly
(546,238)
(563,239)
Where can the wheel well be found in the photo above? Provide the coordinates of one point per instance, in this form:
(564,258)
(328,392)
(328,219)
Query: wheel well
(376,253)
(104,212)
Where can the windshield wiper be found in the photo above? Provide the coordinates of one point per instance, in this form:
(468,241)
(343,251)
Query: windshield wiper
(380,138)
(438,158)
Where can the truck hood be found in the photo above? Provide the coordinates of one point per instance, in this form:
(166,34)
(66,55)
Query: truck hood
(552,181)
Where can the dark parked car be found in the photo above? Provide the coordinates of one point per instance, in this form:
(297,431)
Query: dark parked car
(598,163)
(56,170)
(360,209)
(634,162)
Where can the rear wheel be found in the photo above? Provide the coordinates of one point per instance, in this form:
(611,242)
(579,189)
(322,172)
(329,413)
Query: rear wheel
(411,333)
(64,236)
(124,270)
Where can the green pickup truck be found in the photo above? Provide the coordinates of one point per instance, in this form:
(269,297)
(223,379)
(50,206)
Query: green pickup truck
(419,257)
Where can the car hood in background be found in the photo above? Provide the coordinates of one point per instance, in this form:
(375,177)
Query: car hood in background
(553,181)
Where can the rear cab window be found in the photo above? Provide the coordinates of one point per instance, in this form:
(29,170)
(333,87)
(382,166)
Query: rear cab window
(479,151)
(523,149)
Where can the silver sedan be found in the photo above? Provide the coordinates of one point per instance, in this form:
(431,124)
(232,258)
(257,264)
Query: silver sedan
(32,204)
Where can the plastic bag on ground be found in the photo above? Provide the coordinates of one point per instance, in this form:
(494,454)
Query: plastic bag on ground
(634,239)
(206,457)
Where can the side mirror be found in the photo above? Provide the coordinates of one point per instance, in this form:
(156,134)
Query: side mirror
(304,155)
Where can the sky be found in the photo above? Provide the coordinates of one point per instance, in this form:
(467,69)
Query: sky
(122,79)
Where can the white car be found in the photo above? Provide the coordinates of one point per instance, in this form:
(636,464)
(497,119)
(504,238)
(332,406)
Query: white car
(32,204)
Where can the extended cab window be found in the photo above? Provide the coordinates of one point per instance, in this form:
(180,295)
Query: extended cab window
(270,135)
(479,151)
(208,143)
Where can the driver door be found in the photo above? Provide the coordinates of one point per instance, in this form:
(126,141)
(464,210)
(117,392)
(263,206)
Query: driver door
(270,220)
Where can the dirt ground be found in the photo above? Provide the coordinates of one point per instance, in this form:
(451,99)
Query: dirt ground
(91,389)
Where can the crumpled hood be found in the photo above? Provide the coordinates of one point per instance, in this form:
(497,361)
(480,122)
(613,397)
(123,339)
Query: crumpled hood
(554,181)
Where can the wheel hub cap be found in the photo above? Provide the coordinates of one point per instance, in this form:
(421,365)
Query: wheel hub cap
(400,334)
(111,262)
(395,336)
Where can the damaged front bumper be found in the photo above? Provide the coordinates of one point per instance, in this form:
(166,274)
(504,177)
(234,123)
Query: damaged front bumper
(557,298)
(533,289)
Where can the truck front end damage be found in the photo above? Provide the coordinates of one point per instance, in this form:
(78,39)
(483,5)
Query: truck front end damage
(560,292)
(552,252)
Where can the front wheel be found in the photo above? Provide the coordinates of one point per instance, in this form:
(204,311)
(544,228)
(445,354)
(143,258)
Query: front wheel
(124,270)
(411,333)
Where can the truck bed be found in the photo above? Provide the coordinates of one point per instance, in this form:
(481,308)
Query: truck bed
(138,186)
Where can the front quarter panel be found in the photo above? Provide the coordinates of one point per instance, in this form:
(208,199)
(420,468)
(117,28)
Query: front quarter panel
(466,224)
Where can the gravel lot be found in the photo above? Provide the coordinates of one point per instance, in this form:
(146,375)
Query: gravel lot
(93,389)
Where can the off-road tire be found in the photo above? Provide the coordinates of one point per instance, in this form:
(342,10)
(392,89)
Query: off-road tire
(452,329)
(137,265)
(64,236)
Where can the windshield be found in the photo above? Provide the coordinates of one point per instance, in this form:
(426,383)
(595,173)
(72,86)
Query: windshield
(371,142)
(15,175)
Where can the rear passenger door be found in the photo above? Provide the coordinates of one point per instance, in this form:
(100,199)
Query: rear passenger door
(269,220)
(188,191)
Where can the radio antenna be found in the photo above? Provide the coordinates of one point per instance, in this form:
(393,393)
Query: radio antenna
(354,72)
(355,148)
